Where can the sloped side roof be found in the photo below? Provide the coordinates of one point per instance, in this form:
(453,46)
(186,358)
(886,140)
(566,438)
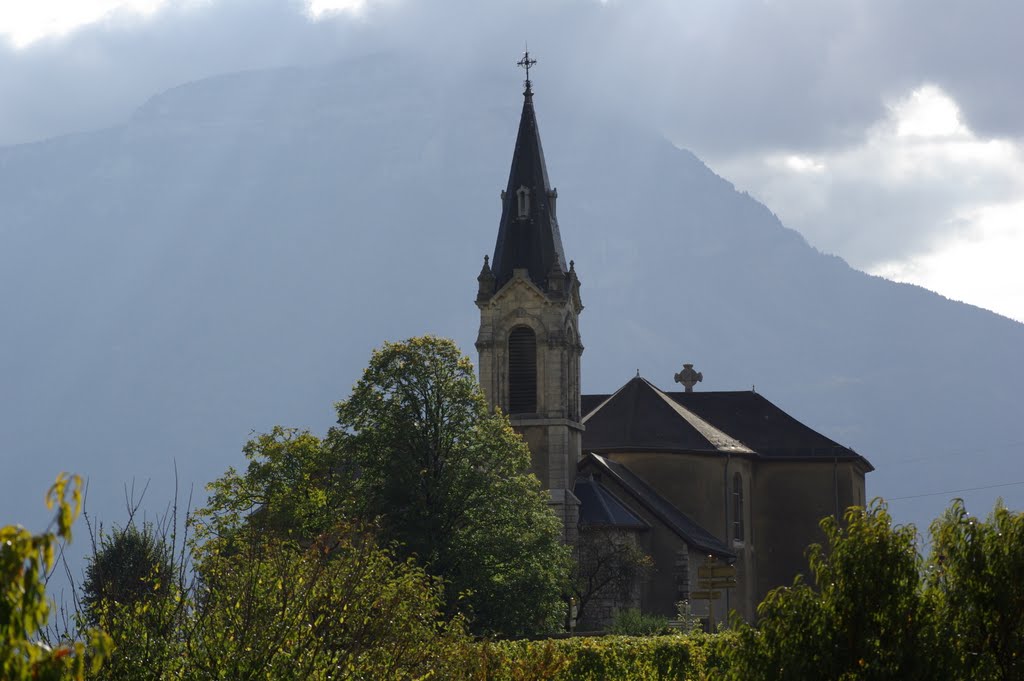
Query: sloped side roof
(762,426)
(601,508)
(639,417)
(683,525)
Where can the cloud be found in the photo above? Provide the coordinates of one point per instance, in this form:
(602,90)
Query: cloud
(719,77)
(980,266)
(96,76)
(920,197)
(880,130)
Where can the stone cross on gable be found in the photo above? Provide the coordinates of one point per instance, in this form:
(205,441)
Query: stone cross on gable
(688,377)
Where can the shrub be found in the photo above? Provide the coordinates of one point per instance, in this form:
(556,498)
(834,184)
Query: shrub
(625,658)
(635,623)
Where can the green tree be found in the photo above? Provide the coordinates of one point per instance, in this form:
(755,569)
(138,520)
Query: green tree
(25,560)
(975,576)
(865,618)
(137,590)
(340,608)
(128,565)
(293,487)
(447,479)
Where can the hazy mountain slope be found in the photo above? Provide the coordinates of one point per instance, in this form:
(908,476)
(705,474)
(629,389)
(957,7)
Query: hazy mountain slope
(227,259)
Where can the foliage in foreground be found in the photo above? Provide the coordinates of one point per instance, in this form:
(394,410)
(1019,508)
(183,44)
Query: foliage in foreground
(25,560)
(267,608)
(129,565)
(625,658)
(877,611)
(340,609)
(632,622)
(976,579)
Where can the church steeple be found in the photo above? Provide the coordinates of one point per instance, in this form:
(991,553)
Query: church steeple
(528,236)
(529,339)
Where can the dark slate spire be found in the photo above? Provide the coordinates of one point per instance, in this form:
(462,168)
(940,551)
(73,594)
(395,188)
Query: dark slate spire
(528,235)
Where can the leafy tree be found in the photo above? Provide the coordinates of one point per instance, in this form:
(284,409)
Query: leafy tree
(341,608)
(867,618)
(294,487)
(975,576)
(448,481)
(137,588)
(419,456)
(128,566)
(25,560)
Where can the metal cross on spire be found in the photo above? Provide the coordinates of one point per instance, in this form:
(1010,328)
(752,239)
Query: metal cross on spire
(526,63)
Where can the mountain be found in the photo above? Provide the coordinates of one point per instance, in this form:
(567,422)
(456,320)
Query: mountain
(226,260)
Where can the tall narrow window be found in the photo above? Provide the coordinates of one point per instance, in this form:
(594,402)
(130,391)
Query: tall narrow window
(737,507)
(522,371)
(572,371)
(523,196)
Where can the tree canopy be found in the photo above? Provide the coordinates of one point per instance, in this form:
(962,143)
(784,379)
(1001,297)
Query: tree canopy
(864,617)
(974,577)
(418,456)
(448,480)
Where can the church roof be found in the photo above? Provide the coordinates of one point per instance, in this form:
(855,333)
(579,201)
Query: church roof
(683,525)
(601,508)
(634,419)
(640,417)
(530,241)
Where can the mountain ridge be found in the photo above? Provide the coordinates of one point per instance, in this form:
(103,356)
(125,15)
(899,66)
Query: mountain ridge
(227,258)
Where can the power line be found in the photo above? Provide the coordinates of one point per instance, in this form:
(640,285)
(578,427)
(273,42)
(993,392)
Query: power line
(956,453)
(955,491)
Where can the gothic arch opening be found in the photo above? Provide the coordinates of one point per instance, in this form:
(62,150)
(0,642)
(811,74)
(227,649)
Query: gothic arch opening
(522,371)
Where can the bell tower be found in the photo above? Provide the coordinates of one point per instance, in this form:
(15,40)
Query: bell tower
(529,341)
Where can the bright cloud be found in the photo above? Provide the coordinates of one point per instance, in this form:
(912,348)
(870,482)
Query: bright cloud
(927,112)
(981,267)
(919,197)
(26,22)
(318,7)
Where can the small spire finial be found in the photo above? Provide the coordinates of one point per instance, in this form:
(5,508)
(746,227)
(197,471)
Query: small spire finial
(526,63)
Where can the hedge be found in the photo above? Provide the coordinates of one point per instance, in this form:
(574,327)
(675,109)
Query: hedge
(625,658)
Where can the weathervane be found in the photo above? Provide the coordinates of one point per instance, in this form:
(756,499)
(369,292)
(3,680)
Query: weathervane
(526,63)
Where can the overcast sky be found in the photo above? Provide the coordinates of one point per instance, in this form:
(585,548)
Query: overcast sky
(889,133)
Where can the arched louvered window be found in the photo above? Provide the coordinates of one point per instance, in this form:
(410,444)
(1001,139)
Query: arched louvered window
(523,200)
(737,507)
(522,371)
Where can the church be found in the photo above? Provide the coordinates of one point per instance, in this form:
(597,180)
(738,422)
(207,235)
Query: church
(723,491)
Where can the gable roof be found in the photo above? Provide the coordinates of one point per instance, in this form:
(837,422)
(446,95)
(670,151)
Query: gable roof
(633,420)
(640,417)
(601,508)
(533,243)
(685,527)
